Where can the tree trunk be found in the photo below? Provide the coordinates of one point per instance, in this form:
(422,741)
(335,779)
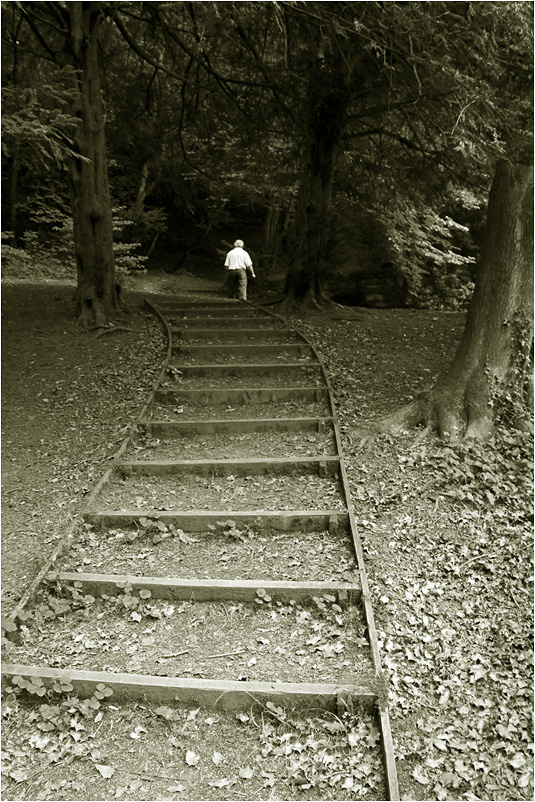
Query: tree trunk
(269,238)
(491,372)
(97,292)
(307,240)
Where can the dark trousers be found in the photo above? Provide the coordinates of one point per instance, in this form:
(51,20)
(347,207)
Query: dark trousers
(237,284)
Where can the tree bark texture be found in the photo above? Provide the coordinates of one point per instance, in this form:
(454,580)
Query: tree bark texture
(328,99)
(493,366)
(96,294)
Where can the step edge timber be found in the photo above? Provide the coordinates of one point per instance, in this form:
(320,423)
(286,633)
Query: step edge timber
(201,393)
(210,589)
(198,520)
(176,320)
(275,347)
(324,466)
(223,335)
(247,365)
(210,421)
(163,428)
(222,694)
(282,330)
(222,312)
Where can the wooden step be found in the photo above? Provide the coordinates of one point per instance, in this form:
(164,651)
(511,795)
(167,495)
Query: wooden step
(324,466)
(233,396)
(169,429)
(249,369)
(228,303)
(216,694)
(204,352)
(224,335)
(333,521)
(249,322)
(208,313)
(213,590)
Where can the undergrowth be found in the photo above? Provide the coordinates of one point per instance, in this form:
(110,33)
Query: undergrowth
(494,478)
(59,720)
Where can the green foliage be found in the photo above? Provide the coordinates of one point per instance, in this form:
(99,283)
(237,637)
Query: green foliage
(430,254)
(202,134)
(35,126)
(492,479)
(47,245)
(512,397)
(60,722)
(424,248)
(158,531)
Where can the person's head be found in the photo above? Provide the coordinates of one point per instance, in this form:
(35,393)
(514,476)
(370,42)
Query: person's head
(238,243)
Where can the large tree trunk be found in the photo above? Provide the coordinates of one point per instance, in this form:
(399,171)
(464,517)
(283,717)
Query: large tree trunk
(307,240)
(97,293)
(492,370)
(15,200)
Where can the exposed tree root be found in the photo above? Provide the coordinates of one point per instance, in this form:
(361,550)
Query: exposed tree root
(107,329)
(449,416)
(288,305)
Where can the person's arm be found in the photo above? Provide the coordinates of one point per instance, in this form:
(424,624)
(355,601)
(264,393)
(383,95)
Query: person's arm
(249,265)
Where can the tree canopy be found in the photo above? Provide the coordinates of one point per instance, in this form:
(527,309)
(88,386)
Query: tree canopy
(337,135)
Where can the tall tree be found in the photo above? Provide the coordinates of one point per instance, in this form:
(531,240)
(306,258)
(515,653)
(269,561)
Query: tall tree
(370,71)
(69,36)
(96,292)
(491,376)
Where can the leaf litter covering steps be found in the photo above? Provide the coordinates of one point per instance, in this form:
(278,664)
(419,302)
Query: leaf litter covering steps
(245,396)
(292,466)
(262,376)
(163,492)
(223,755)
(237,322)
(192,410)
(209,336)
(226,552)
(312,654)
(235,446)
(209,590)
(264,642)
(242,354)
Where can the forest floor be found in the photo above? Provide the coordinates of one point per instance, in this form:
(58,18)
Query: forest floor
(447,534)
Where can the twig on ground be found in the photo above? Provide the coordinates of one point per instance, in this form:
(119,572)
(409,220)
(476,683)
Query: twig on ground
(479,557)
(225,654)
(174,654)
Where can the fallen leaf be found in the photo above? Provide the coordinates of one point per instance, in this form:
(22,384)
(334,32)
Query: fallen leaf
(222,783)
(518,760)
(106,771)
(137,732)
(217,757)
(192,758)
(164,712)
(246,773)
(18,775)
(420,777)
